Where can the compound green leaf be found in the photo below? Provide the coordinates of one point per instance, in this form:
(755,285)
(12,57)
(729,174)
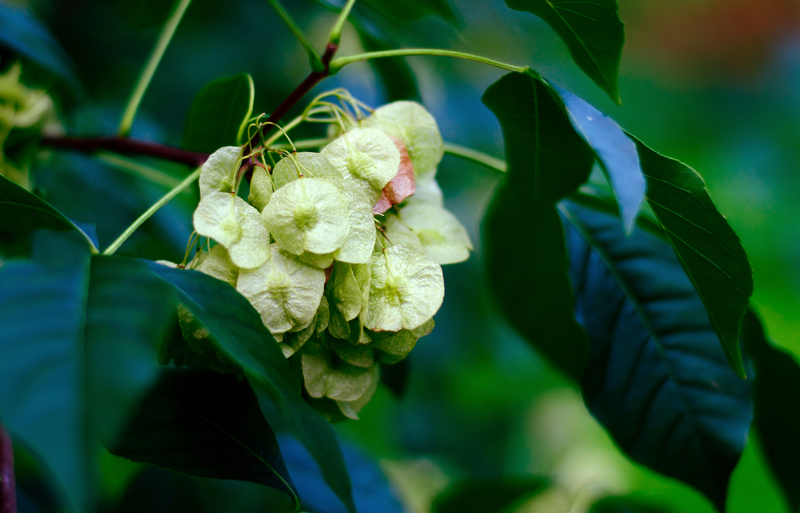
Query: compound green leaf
(205,424)
(657,378)
(526,258)
(592,31)
(776,397)
(21,210)
(238,332)
(220,170)
(77,349)
(219,114)
(708,248)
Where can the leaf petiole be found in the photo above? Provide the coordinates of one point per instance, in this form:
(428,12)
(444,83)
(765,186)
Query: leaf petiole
(339,63)
(110,250)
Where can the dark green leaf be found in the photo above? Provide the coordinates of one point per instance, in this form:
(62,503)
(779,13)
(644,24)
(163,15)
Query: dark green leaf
(411,10)
(657,378)
(706,245)
(219,114)
(76,351)
(240,335)
(487,495)
(21,210)
(592,31)
(157,490)
(624,505)
(526,258)
(205,424)
(26,36)
(615,152)
(395,377)
(546,158)
(776,397)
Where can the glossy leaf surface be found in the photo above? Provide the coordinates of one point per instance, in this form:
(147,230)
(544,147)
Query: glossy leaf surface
(238,333)
(71,371)
(657,378)
(218,113)
(706,245)
(615,152)
(592,31)
(205,424)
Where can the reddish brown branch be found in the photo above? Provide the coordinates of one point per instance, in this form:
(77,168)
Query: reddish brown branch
(128,146)
(314,78)
(125,145)
(8,492)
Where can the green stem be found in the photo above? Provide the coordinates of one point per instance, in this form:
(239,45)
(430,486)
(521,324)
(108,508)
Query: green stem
(303,144)
(476,156)
(150,211)
(135,168)
(339,63)
(336,31)
(150,68)
(313,56)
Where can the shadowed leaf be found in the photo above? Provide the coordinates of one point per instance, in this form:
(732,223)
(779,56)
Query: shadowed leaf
(657,379)
(526,258)
(238,332)
(776,396)
(71,372)
(205,424)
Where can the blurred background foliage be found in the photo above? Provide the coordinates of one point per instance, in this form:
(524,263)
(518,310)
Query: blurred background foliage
(713,83)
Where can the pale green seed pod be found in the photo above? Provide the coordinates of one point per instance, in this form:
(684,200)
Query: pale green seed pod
(351,409)
(218,263)
(433,229)
(306,164)
(342,382)
(412,124)
(406,289)
(230,221)
(367,160)
(284,290)
(428,193)
(309,214)
(261,188)
(219,171)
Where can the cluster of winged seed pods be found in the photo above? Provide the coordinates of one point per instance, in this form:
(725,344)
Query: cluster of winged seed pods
(336,251)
